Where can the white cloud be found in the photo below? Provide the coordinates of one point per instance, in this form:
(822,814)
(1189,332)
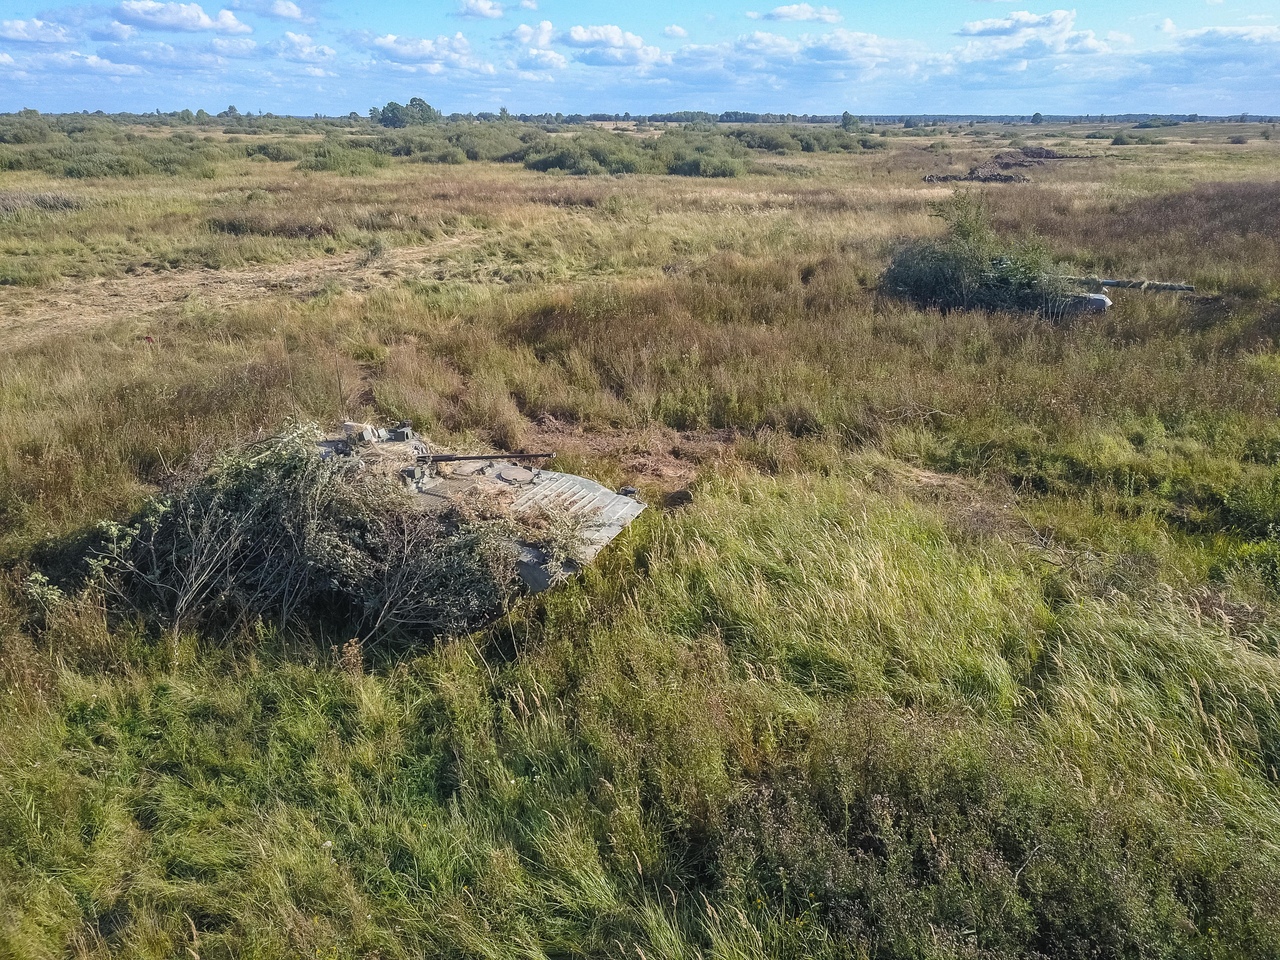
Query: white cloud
(865,50)
(166,56)
(528,4)
(421,54)
(538,54)
(1014,23)
(800,11)
(33,31)
(481,10)
(809,72)
(1217,35)
(608,45)
(768,45)
(539,59)
(115,30)
(676,31)
(539,36)
(6,60)
(188,17)
(240,47)
(1023,35)
(302,49)
(77,62)
(605,35)
(286,10)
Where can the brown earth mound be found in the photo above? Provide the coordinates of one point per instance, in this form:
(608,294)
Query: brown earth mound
(994,170)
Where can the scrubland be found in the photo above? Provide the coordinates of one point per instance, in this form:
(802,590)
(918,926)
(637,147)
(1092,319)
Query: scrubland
(964,642)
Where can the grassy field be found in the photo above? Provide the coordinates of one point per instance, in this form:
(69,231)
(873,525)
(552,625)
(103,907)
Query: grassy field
(964,645)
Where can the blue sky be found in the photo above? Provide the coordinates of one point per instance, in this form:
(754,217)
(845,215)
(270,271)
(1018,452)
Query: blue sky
(906,56)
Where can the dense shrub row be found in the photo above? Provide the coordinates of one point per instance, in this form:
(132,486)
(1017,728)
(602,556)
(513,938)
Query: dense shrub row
(80,147)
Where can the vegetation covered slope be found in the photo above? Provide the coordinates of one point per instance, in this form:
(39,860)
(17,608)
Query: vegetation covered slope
(966,645)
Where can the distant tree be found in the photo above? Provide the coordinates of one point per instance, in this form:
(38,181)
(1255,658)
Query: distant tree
(229,112)
(848,121)
(422,112)
(399,115)
(910,123)
(1037,117)
(392,115)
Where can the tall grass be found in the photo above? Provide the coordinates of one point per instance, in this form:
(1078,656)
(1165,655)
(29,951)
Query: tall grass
(962,644)
(797,714)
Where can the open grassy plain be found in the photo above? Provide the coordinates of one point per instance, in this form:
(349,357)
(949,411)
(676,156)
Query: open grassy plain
(966,644)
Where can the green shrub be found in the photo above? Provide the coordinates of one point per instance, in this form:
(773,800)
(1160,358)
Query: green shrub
(707,166)
(591,153)
(25,131)
(278,151)
(105,165)
(1128,140)
(350,162)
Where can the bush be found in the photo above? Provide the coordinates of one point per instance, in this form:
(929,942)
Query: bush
(278,151)
(104,165)
(589,153)
(707,166)
(972,268)
(1127,140)
(25,131)
(349,162)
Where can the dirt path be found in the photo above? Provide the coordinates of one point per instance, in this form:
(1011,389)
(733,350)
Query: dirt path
(29,314)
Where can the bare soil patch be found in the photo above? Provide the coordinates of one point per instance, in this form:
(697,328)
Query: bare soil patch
(666,458)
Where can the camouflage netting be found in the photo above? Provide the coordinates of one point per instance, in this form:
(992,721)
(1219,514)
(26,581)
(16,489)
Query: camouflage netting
(274,532)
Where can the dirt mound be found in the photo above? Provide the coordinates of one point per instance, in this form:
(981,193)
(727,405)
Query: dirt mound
(996,169)
(1043,153)
(979,174)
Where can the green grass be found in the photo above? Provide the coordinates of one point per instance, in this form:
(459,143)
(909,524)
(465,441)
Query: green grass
(799,710)
(965,646)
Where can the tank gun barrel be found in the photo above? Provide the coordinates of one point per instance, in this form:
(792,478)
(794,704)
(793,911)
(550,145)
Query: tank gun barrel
(462,458)
(1133,284)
